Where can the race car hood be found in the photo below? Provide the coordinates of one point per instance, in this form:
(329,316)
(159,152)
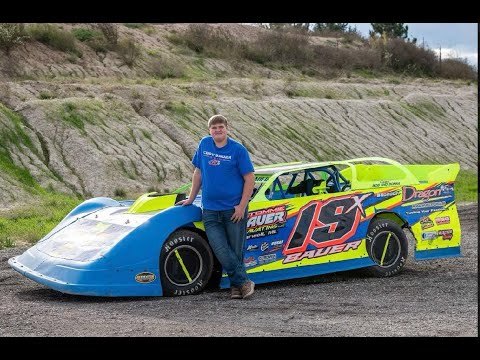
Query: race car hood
(91,237)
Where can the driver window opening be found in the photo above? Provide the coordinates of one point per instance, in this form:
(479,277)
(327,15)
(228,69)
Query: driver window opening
(310,182)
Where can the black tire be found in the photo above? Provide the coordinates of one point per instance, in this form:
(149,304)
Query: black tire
(186,263)
(387,246)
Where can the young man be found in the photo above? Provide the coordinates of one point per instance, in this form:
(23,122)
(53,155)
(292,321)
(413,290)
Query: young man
(224,172)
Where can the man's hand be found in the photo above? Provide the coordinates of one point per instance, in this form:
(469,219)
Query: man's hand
(238,214)
(185,202)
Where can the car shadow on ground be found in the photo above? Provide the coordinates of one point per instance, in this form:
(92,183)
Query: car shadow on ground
(56,296)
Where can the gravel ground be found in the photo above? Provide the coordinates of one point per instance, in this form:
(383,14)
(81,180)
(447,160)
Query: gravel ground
(429,298)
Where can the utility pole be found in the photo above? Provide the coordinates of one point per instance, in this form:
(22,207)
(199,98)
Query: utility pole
(440,58)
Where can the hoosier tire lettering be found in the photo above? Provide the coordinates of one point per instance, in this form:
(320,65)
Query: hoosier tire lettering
(186,263)
(387,246)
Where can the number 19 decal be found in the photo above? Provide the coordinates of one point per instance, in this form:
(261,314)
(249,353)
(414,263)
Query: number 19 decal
(326,223)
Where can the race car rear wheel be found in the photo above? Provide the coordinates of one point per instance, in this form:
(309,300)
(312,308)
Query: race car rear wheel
(186,263)
(387,246)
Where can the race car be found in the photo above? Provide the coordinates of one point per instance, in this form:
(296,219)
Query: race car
(304,219)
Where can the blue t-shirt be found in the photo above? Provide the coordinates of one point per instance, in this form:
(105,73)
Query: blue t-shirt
(222,172)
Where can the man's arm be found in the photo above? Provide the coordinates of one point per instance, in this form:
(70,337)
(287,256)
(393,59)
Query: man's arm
(196,184)
(249,183)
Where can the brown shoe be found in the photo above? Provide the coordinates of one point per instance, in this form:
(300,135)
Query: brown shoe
(247,289)
(236,293)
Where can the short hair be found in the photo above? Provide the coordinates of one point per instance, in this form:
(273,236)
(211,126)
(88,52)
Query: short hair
(217,119)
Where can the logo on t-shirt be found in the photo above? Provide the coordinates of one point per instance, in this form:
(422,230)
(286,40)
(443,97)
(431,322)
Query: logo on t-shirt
(214,162)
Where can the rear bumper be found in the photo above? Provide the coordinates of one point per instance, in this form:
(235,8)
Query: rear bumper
(438,253)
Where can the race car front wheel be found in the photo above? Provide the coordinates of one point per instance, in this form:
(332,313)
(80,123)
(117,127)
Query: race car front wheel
(387,246)
(186,263)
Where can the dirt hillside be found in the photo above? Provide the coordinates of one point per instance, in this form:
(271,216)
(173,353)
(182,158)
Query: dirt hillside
(96,126)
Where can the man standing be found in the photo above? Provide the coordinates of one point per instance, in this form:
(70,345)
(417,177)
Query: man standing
(224,172)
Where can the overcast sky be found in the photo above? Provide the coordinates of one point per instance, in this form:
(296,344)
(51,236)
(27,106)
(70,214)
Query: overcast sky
(455,39)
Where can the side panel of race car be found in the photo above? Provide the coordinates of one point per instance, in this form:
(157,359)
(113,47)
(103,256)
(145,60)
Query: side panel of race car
(305,236)
(325,233)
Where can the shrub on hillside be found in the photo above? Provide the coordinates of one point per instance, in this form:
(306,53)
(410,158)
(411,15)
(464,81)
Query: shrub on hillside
(348,59)
(93,38)
(217,42)
(457,69)
(128,50)
(407,57)
(164,68)
(282,47)
(11,35)
(290,46)
(53,37)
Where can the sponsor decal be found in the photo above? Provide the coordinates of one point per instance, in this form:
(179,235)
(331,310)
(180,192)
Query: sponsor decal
(266,221)
(446,234)
(423,211)
(429,235)
(434,204)
(267,258)
(250,261)
(388,194)
(264,246)
(275,248)
(252,247)
(442,220)
(321,252)
(326,223)
(260,178)
(426,223)
(446,188)
(410,193)
(386,183)
(145,277)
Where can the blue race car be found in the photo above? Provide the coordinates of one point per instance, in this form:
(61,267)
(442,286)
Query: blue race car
(304,219)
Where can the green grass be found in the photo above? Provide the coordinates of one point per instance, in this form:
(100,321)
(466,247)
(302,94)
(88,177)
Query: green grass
(15,137)
(365,73)
(28,224)
(177,108)
(466,186)
(70,114)
(78,112)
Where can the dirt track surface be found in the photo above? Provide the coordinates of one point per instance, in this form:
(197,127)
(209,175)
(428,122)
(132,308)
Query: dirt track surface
(429,298)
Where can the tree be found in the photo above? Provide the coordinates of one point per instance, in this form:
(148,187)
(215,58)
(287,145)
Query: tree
(391,30)
(11,35)
(342,27)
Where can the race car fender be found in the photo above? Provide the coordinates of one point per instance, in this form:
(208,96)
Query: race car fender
(144,243)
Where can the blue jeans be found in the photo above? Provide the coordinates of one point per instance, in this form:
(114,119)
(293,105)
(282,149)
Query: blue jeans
(227,240)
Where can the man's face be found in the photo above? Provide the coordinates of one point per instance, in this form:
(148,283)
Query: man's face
(218,132)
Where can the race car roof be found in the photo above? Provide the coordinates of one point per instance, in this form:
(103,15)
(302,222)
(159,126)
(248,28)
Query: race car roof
(407,178)
(274,168)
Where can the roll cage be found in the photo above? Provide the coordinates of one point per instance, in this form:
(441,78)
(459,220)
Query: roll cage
(360,173)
